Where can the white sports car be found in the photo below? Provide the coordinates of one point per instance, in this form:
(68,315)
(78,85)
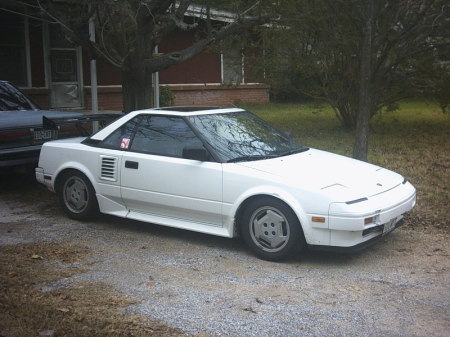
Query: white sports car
(225,172)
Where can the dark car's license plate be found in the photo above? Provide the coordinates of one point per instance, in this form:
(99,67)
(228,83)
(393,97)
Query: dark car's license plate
(44,135)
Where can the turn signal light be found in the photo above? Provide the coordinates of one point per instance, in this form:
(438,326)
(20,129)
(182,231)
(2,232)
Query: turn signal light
(368,220)
(318,219)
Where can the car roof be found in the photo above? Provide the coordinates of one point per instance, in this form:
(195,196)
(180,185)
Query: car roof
(186,110)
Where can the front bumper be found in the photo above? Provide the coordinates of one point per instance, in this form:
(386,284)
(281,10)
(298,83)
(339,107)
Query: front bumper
(353,249)
(347,222)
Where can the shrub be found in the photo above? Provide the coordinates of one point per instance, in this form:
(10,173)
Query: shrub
(166,96)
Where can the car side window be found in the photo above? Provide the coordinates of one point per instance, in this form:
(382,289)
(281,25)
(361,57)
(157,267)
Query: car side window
(121,138)
(164,135)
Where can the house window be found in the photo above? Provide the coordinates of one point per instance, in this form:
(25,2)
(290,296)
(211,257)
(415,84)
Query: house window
(232,67)
(12,49)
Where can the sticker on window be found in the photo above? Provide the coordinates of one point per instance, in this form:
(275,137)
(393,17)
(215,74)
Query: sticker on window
(125,143)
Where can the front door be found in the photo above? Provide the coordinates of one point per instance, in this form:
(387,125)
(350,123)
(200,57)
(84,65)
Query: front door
(156,180)
(65,74)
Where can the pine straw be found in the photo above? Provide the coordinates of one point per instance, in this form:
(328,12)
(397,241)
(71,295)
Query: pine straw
(87,309)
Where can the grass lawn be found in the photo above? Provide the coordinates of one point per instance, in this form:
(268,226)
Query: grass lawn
(413,141)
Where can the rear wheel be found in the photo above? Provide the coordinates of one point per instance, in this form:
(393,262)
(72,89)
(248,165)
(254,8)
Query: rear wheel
(77,196)
(271,229)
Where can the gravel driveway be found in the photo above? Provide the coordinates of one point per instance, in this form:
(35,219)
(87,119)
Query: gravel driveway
(214,286)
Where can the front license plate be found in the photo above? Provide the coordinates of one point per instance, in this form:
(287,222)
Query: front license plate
(44,135)
(389,226)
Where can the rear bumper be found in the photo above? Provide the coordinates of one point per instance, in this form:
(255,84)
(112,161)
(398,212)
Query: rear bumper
(20,156)
(44,179)
(39,171)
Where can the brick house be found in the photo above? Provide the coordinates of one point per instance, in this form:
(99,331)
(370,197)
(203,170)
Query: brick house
(56,74)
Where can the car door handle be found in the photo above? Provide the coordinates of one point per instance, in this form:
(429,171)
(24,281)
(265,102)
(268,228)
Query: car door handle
(131,164)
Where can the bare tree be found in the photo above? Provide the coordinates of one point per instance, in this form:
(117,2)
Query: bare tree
(357,55)
(128,31)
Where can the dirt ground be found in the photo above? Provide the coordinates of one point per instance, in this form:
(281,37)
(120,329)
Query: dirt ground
(199,284)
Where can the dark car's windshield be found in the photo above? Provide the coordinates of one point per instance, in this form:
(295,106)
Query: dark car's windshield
(12,99)
(241,136)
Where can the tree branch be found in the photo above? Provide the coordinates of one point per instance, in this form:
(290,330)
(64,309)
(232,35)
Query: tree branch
(169,59)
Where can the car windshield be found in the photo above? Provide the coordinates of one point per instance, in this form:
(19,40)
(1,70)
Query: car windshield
(241,136)
(12,99)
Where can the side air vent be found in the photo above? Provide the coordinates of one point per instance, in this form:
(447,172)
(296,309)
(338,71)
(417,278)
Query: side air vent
(108,168)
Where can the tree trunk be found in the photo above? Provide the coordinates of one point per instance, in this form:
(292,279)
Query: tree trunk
(137,89)
(361,145)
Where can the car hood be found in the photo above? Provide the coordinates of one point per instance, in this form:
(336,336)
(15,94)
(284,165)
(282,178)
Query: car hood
(342,178)
(28,118)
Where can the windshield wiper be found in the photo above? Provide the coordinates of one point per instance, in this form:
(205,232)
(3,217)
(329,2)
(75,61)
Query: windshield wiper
(294,151)
(251,158)
(267,156)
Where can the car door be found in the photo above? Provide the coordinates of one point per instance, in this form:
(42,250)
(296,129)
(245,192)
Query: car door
(157,180)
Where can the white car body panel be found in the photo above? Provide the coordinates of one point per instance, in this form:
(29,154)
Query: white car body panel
(242,182)
(341,178)
(206,196)
(174,188)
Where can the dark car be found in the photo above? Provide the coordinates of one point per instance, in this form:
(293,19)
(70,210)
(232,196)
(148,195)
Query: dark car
(24,127)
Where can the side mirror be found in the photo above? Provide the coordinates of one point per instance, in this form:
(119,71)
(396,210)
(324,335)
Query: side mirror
(196,153)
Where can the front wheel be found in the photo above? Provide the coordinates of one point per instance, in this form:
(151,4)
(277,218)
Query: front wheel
(77,196)
(271,229)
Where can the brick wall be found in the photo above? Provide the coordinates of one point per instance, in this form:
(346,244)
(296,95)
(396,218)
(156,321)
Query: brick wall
(220,95)
(110,98)
(39,95)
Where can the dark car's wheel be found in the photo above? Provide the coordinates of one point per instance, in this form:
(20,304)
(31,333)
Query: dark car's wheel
(77,196)
(271,229)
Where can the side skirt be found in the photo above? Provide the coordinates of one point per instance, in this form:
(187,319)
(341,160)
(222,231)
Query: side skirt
(180,223)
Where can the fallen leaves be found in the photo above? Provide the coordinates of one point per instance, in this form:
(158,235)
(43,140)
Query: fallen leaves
(250,309)
(86,309)
(350,288)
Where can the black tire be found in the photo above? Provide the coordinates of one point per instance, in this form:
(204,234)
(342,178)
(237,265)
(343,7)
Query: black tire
(271,229)
(77,195)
